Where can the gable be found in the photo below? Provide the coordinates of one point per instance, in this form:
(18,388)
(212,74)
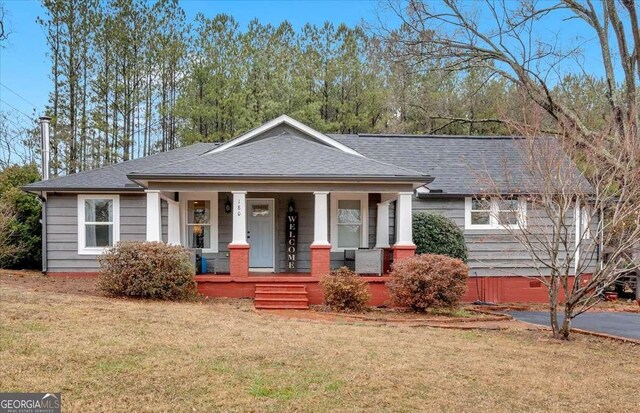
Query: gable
(282,156)
(285,124)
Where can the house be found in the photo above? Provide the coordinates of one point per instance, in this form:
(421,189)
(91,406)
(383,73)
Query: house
(235,202)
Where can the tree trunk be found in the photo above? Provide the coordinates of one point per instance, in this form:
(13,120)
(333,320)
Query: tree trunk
(566,323)
(553,309)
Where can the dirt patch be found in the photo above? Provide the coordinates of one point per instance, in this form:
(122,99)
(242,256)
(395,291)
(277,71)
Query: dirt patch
(36,281)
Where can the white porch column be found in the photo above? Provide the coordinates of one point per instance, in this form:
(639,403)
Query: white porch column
(173,224)
(239,218)
(382,226)
(404,219)
(320,219)
(154,223)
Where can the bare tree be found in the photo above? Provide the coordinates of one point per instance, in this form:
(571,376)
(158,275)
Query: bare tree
(8,248)
(512,40)
(579,233)
(18,143)
(4,31)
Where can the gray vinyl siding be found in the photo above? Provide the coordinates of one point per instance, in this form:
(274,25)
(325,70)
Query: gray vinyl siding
(491,252)
(62,230)
(304,205)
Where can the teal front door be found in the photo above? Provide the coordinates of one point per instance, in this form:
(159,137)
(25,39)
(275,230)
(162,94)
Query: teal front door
(260,234)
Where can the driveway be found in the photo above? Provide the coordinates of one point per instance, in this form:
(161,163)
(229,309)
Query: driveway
(617,324)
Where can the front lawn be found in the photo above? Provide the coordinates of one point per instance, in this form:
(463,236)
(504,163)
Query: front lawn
(121,355)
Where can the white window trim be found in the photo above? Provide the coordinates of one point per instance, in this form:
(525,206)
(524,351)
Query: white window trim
(493,216)
(364,213)
(82,248)
(212,197)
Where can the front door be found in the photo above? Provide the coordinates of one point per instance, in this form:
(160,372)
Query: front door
(260,234)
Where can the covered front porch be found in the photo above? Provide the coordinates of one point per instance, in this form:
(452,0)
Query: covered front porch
(260,235)
(281,199)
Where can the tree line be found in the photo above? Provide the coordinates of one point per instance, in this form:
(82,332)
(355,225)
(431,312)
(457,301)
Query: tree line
(131,78)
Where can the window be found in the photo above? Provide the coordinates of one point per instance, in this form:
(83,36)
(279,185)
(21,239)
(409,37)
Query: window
(98,223)
(260,210)
(349,215)
(480,212)
(200,220)
(508,212)
(492,213)
(349,223)
(199,224)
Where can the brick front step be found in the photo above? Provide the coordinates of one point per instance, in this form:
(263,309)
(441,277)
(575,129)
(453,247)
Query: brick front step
(279,307)
(281,296)
(281,301)
(280,287)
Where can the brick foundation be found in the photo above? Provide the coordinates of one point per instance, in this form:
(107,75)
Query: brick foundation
(496,289)
(239,260)
(320,260)
(403,251)
(510,289)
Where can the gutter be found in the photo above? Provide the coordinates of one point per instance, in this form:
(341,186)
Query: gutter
(286,178)
(39,189)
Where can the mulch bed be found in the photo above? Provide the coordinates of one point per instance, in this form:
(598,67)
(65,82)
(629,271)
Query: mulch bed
(479,320)
(391,315)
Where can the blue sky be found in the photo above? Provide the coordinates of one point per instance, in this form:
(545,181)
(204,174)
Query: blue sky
(25,67)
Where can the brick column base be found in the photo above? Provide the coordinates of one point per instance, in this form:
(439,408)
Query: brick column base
(239,260)
(403,251)
(320,260)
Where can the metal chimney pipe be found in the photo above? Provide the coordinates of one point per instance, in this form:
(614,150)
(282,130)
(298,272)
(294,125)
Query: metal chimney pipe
(44,145)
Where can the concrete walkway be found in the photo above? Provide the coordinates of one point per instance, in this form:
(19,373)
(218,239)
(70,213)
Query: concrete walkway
(617,324)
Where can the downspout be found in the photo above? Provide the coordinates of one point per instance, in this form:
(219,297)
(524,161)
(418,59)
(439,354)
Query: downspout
(43,223)
(44,146)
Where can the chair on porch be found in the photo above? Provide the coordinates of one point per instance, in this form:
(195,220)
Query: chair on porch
(365,261)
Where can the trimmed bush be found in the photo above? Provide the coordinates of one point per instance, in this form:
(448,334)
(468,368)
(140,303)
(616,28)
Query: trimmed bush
(427,281)
(345,291)
(147,270)
(435,234)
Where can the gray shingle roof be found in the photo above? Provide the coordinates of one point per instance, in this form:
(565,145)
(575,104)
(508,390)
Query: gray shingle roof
(284,156)
(459,164)
(114,177)
(456,162)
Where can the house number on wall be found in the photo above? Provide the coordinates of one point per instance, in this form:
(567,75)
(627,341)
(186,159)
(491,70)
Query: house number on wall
(239,207)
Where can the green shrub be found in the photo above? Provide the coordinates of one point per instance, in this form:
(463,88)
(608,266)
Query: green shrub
(345,291)
(23,229)
(147,270)
(427,281)
(435,234)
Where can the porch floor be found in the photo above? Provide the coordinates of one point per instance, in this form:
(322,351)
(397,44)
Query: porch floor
(273,277)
